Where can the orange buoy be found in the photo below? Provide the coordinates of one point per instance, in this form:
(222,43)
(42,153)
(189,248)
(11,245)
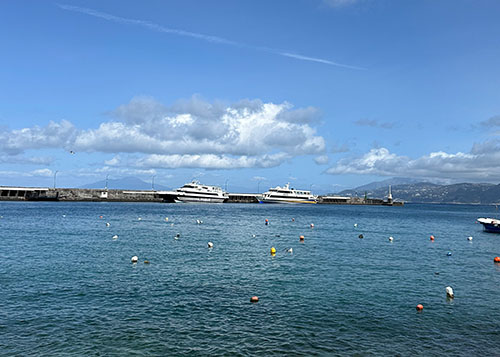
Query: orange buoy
(420,307)
(254,299)
(431,237)
(267,222)
(100,216)
(496,259)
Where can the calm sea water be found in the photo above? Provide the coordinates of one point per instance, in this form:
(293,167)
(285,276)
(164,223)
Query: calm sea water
(69,288)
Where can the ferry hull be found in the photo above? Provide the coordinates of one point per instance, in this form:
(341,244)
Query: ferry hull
(491,228)
(199,200)
(288,201)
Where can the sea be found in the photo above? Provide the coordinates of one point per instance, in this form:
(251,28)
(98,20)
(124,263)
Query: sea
(69,288)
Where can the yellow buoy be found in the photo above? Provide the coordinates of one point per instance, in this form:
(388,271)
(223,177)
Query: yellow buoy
(273,251)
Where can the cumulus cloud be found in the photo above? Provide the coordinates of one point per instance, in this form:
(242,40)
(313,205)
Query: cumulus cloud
(374,123)
(189,133)
(322,160)
(197,132)
(475,165)
(42,173)
(22,159)
(206,161)
(34,173)
(491,122)
(54,135)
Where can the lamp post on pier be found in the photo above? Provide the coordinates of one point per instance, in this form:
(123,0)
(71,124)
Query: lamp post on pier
(55,175)
(153,182)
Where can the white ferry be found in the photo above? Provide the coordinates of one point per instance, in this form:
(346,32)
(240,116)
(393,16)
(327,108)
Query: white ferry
(288,195)
(196,192)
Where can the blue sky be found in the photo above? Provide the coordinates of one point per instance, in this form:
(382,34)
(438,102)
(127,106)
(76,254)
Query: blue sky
(326,94)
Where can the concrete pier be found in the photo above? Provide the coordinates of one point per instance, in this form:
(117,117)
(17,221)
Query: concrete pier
(8,193)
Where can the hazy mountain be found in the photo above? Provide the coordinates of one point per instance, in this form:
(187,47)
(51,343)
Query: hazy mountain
(426,192)
(126,183)
(385,184)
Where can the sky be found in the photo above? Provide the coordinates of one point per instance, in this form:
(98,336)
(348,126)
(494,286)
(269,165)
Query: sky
(249,94)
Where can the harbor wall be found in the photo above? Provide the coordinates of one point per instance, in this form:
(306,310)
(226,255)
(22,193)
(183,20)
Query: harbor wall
(102,195)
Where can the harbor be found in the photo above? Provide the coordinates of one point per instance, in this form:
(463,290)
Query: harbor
(9,193)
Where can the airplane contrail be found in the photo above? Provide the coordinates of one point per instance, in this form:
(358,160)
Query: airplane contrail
(208,38)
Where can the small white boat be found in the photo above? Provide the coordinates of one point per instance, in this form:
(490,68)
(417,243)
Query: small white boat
(491,225)
(286,194)
(196,192)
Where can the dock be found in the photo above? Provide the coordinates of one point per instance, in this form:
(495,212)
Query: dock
(9,193)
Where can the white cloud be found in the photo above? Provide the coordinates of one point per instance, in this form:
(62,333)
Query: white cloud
(491,122)
(43,173)
(34,173)
(322,160)
(190,133)
(22,159)
(209,135)
(207,161)
(478,165)
(54,135)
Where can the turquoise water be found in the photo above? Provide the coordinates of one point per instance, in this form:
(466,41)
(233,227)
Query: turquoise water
(69,288)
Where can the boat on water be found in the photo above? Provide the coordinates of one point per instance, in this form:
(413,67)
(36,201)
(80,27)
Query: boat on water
(491,225)
(286,194)
(196,192)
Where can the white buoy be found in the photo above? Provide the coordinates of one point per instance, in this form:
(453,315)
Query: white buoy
(210,245)
(64,215)
(139,219)
(391,239)
(449,292)
(134,259)
(469,238)
(166,219)
(107,224)
(253,235)
(115,237)
(355,224)
(312,225)
(290,250)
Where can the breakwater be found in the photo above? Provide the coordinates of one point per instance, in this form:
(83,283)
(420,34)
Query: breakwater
(8,193)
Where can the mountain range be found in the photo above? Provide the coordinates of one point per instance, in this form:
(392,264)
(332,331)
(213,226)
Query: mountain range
(426,192)
(126,183)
